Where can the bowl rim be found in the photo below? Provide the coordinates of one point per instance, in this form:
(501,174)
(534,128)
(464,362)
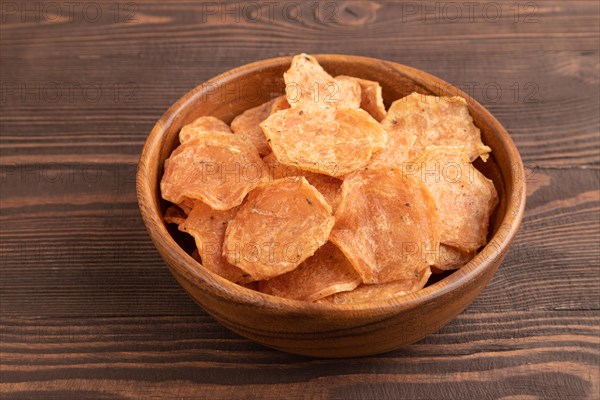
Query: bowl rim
(218,286)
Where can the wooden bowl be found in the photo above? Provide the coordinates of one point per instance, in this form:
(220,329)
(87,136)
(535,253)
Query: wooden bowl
(327,330)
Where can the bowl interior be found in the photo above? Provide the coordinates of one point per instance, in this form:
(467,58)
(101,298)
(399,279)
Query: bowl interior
(233,92)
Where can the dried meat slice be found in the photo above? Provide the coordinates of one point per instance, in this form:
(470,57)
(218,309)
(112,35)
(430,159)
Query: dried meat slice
(307,85)
(331,142)
(387,225)
(247,124)
(208,226)
(216,168)
(279,103)
(399,143)
(437,121)
(186,205)
(200,126)
(396,151)
(371,99)
(465,198)
(381,292)
(328,186)
(280,225)
(450,258)
(174,215)
(325,273)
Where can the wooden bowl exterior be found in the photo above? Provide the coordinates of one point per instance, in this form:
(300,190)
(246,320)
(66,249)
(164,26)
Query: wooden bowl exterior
(324,330)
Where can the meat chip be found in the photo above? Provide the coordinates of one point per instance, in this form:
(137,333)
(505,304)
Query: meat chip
(397,148)
(439,121)
(331,142)
(465,198)
(174,215)
(279,103)
(381,292)
(325,273)
(450,258)
(247,124)
(186,205)
(387,225)
(307,84)
(200,126)
(277,228)
(371,99)
(208,226)
(328,186)
(399,143)
(216,168)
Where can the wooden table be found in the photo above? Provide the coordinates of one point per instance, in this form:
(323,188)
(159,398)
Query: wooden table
(89,310)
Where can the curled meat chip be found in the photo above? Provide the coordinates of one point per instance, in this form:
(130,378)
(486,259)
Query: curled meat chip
(465,198)
(208,226)
(202,125)
(331,142)
(174,215)
(439,121)
(381,292)
(328,186)
(371,99)
(450,258)
(308,85)
(186,205)
(216,168)
(387,225)
(325,273)
(280,225)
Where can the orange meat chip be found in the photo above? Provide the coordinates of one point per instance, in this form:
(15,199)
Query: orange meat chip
(387,225)
(396,150)
(328,186)
(307,85)
(247,124)
(465,198)
(440,121)
(216,168)
(450,258)
(332,142)
(371,99)
(186,205)
(279,103)
(202,125)
(384,291)
(208,226)
(325,273)
(175,215)
(277,228)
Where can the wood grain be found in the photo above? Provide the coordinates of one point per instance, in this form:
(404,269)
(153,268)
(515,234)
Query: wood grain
(76,257)
(487,354)
(552,115)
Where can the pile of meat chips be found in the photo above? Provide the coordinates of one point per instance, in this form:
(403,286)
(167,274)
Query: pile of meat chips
(323,195)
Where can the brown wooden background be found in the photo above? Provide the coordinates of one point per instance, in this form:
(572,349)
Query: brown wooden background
(88,310)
